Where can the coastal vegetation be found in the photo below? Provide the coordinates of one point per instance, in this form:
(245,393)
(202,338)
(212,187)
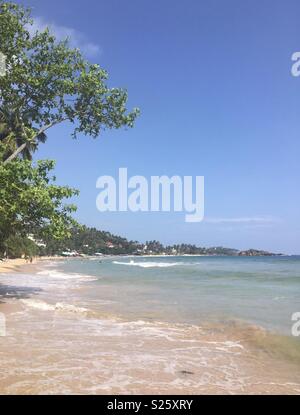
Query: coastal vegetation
(45,83)
(90,241)
(31,203)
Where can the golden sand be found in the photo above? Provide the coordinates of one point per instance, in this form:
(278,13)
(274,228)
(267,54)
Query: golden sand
(20,264)
(11,265)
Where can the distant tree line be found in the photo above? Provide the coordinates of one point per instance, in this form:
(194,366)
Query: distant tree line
(90,241)
(82,240)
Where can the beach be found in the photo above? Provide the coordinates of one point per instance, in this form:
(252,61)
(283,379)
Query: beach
(11,265)
(85,327)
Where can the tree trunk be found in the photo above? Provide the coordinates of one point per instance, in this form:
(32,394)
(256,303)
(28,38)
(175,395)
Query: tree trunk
(23,146)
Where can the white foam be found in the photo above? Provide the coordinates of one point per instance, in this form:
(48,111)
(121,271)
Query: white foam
(38,304)
(149,264)
(57,275)
(70,308)
(42,305)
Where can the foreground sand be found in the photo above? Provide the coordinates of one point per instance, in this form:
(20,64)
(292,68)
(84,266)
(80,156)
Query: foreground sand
(56,346)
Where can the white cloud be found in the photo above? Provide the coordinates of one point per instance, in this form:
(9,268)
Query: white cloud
(77,39)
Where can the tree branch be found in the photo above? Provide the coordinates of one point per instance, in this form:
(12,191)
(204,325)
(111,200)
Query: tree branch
(23,146)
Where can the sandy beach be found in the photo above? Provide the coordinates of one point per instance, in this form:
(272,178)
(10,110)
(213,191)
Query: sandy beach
(16,267)
(12,265)
(20,264)
(57,342)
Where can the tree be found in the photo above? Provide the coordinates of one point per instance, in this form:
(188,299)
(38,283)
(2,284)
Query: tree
(16,246)
(47,82)
(31,202)
(90,241)
(11,136)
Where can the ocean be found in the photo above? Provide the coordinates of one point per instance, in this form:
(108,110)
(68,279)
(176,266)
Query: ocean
(261,290)
(153,325)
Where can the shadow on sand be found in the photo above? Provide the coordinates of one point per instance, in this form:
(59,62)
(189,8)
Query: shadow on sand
(8,292)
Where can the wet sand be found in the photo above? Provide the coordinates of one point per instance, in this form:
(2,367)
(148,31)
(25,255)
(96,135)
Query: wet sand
(54,345)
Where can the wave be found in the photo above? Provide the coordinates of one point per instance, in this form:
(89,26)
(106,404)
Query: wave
(67,276)
(42,305)
(38,304)
(232,336)
(150,264)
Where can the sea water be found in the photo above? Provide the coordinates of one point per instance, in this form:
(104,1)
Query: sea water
(152,325)
(259,290)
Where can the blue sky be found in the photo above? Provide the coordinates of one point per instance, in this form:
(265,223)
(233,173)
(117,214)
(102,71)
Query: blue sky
(213,81)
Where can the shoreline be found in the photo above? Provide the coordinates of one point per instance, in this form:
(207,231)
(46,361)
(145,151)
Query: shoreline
(12,265)
(49,328)
(13,268)
(16,265)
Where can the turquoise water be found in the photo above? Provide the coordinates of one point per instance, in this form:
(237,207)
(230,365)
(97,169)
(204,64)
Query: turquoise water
(263,291)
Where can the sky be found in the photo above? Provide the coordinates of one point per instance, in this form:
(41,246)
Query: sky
(213,81)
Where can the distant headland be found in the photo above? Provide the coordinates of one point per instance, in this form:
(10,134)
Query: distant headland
(85,241)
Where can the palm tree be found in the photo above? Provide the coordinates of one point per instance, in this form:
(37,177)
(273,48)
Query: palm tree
(13,134)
